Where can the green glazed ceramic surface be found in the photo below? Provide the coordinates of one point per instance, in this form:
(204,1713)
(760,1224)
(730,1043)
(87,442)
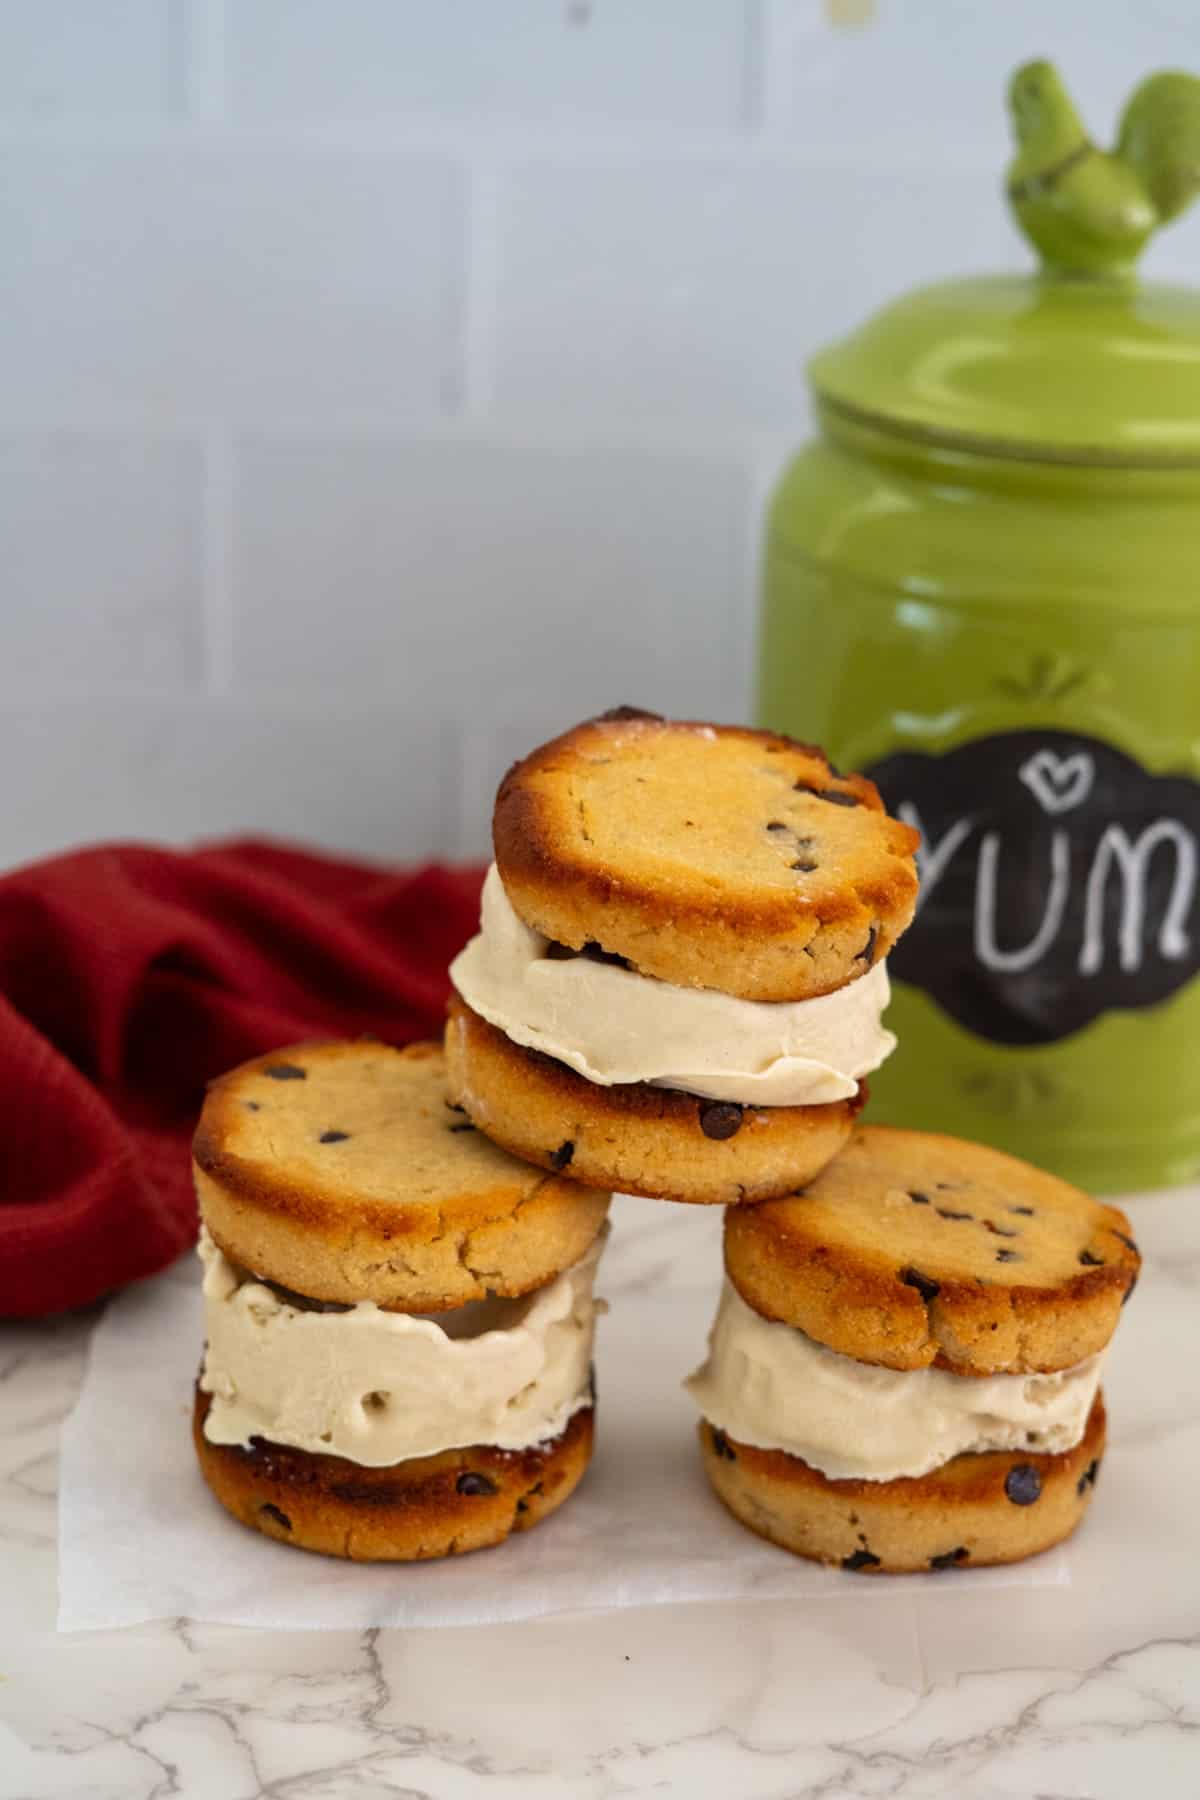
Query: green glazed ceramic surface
(982,583)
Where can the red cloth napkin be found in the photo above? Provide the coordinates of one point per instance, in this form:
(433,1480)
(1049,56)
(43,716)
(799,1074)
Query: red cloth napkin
(129,977)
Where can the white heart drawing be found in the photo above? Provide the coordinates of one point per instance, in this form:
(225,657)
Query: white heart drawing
(1058,783)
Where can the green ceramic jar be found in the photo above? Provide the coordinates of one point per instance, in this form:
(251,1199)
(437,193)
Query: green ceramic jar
(982,587)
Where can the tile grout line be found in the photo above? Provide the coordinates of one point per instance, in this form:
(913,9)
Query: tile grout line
(756,69)
(478,297)
(769,37)
(198,33)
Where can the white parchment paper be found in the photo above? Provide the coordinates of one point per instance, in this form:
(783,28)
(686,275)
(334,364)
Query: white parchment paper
(142,1538)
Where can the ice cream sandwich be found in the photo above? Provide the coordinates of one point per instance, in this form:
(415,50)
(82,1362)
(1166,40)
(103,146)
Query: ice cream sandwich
(399,1316)
(904,1372)
(678,985)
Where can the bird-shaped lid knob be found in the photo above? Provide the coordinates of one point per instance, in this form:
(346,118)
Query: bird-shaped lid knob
(1078,362)
(1087,211)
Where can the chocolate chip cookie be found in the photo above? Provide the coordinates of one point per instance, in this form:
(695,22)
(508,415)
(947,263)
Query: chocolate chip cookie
(346,1172)
(412,1511)
(912,1249)
(993,1507)
(633,1137)
(705,855)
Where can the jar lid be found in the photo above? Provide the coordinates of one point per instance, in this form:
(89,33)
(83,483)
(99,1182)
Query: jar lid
(1078,362)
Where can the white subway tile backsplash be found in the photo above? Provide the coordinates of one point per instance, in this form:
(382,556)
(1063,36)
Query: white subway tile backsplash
(482,581)
(101,552)
(255,285)
(388,384)
(64,59)
(346,777)
(673,292)
(672,62)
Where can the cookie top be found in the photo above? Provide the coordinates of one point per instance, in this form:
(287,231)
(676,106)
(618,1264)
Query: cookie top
(340,1171)
(911,1249)
(705,855)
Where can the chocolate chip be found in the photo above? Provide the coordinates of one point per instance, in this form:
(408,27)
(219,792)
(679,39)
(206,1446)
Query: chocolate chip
(593,951)
(619,713)
(304,1302)
(1088,1478)
(950,1559)
(1090,1261)
(805,865)
(522,1506)
(286,1072)
(860,1559)
(722,1446)
(561,1157)
(943,1212)
(339,1137)
(1023,1484)
(471,1483)
(867,953)
(1026,1212)
(999,1230)
(776,825)
(597,954)
(1008,1256)
(720,1119)
(919,1199)
(1128,1242)
(251,1105)
(834,796)
(925,1286)
(453,1106)
(465,1127)
(268,1511)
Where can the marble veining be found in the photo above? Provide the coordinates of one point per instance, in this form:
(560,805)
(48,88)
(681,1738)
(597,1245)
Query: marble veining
(904,1690)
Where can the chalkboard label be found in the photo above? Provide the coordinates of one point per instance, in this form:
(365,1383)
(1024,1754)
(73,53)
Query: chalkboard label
(1058,882)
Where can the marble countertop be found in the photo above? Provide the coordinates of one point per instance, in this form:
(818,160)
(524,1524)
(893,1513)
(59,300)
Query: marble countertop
(906,1688)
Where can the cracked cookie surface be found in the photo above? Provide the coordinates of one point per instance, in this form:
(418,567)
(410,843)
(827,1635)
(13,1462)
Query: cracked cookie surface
(705,855)
(997,1506)
(341,1171)
(914,1249)
(428,1506)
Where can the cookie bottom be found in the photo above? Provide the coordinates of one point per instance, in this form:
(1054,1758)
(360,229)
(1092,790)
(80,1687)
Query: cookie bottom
(412,1511)
(994,1507)
(658,1142)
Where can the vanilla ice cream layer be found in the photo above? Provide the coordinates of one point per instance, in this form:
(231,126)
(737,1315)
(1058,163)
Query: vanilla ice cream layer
(379,1387)
(613,1025)
(768,1385)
